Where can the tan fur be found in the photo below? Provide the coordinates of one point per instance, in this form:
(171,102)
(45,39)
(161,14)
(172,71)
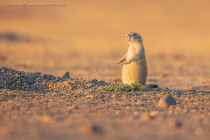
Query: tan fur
(135,66)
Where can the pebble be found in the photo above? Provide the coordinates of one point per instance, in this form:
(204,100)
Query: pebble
(29,81)
(154,113)
(116,103)
(89,97)
(190,89)
(115,79)
(152,86)
(146,117)
(136,113)
(46,119)
(118,112)
(167,101)
(92,129)
(75,107)
(174,124)
(66,75)
(89,85)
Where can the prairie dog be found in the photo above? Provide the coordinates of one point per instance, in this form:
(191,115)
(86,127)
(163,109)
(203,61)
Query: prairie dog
(135,66)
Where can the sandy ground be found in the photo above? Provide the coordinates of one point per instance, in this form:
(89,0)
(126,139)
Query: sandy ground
(39,106)
(87,38)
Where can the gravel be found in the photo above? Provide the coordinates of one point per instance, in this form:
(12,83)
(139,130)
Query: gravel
(49,107)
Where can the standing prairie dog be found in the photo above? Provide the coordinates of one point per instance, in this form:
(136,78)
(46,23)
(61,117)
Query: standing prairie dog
(135,66)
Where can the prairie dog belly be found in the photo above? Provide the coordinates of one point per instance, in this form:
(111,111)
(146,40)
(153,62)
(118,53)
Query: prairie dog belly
(135,71)
(130,52)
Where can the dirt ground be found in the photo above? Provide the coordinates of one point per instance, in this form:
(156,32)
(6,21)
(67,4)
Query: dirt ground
(87,38)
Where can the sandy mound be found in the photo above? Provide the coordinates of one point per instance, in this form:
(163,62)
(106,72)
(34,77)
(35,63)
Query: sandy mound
(29,81)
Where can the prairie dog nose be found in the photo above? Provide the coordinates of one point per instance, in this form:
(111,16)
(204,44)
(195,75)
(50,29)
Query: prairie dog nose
(127,37)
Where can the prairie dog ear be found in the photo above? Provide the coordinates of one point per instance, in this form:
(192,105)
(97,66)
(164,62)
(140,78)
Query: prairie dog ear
(124,58)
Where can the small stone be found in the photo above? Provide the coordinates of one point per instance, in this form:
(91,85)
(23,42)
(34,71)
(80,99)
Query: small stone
(94,80)
(128,107)
(52,81)
(46,119)
(116,103)
(92,129)
(191,89)
(146,117)
(66,75)
(136,113)
(173,124)
(75,107)
(167,101)
(89,85)
(171,107)
(113,96)
(118,112)
(115,79)
(29,81)
(154,113)
(89,97)
(152,86)
(185,110)
(2,58)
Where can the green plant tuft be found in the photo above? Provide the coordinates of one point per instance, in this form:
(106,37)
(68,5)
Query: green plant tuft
(124,87)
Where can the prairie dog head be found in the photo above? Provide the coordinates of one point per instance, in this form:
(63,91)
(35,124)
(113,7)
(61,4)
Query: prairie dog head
(133,38)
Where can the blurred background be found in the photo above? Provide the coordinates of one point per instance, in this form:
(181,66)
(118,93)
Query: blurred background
(87,38)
